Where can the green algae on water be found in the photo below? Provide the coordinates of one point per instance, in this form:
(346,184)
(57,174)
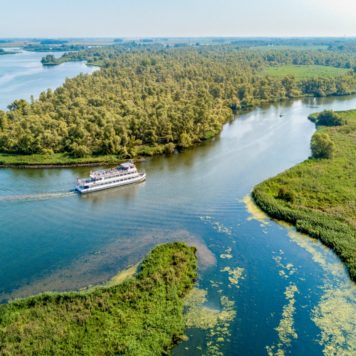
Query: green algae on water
(255,212)
(285,329)
(286,269)
(215,321)
(334,313)
(200,316)
(235,274)
(335,317)
(227,254)
(216,225)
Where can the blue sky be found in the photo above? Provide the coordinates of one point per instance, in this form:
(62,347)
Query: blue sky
(154,18)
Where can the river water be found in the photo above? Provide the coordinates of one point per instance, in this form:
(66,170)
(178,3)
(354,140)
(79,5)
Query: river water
(265,287)
(23,75)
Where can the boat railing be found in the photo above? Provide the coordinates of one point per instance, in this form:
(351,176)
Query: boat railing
(109,174)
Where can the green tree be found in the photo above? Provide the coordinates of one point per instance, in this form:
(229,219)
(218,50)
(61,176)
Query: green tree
(322,146)
(329,118)
(185,140)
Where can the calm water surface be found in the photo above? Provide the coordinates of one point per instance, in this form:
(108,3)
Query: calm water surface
(23,75)
(274,289)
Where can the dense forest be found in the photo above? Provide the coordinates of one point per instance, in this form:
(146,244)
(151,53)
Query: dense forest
(150,99)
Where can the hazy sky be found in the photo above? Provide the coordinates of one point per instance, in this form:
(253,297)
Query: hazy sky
(137,18)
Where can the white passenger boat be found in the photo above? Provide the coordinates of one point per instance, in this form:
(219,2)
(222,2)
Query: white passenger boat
(125,173)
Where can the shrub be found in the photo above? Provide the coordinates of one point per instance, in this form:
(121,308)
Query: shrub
(169,148)
(79,150)
(285,195)
(322,146)
(185,140)
(329,118)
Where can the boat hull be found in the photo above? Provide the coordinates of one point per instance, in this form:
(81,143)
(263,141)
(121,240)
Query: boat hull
(138,179)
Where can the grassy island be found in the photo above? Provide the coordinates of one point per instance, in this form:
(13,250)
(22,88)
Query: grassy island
(141,316)
(318,196)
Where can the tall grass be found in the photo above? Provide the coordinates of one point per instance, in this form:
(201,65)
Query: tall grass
(142,316)
(318,196)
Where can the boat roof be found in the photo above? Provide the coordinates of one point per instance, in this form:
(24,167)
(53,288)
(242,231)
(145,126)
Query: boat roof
(112,171)
(126,165)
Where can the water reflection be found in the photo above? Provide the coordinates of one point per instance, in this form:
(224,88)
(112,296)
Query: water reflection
(125,194)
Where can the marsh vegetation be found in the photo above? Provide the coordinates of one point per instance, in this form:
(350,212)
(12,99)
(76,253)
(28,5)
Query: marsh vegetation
(141,316)
(319,195)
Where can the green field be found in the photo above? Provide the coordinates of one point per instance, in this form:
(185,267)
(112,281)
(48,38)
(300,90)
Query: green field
(141,316)
(301,72)
(319,195)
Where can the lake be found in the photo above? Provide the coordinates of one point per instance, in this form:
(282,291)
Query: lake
(265,287)
(23,75)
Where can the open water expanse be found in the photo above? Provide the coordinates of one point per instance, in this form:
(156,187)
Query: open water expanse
(22,75)
(264,287)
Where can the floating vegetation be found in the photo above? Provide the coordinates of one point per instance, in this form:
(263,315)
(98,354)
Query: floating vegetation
(221,228)
(217,322)
(215,284)
(197,315)
(227,254)
(202,317)
(205,218)
(217,226)
(235,274)
(335,317)
(285,328)
(286,270)
(333,314)
(255,212)
(317,251)
(221,332)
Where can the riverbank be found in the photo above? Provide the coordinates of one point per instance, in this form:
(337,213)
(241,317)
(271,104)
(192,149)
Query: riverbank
(318,195)
(141,315)
(63,160)
(57,160)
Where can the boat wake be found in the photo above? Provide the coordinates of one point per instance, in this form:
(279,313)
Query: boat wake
(37,196)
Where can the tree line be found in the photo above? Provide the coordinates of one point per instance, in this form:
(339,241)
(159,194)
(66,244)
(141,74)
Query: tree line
(152,96)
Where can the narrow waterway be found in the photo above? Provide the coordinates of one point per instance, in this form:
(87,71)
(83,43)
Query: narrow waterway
(265,288)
